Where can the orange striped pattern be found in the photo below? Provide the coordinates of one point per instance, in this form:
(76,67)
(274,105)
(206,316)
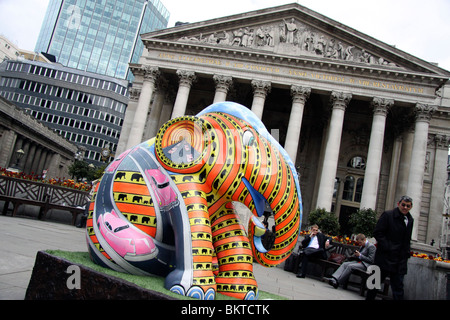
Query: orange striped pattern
(136,206)
(219,177)
(229,151)
(202,248)
(234,254)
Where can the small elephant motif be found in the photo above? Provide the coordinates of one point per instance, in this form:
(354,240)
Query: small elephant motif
(190,176)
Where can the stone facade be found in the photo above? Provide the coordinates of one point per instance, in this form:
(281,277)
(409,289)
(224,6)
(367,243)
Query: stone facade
(43,148)
(364,122)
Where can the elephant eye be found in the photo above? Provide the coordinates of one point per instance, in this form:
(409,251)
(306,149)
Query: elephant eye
(248,138)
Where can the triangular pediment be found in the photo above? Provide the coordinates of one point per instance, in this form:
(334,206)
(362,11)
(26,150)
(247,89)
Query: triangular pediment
(295,31)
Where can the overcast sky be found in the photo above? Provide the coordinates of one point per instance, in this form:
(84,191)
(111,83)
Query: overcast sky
(419,27)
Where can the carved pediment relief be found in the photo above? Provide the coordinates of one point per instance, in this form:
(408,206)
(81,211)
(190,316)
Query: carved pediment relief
(288,37)
(294,31)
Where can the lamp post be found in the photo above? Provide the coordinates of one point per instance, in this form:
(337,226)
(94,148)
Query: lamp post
(14,166)
(19,155)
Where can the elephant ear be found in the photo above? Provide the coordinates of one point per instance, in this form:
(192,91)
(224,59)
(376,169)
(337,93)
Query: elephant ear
(181,144)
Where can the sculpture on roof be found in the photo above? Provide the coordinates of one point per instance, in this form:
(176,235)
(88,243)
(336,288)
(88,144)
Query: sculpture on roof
(291,37)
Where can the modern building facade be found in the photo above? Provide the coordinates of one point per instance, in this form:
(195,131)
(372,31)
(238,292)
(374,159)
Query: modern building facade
(364,122)
(99,36)
(85,108)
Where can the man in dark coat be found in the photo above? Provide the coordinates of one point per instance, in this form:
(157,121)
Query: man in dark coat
(393,234)
(314,246)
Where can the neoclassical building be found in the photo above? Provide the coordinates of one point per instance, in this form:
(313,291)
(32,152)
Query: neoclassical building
(364,122)
(43,151)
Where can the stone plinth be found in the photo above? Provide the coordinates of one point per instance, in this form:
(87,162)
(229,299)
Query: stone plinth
(427,280)
(49,281)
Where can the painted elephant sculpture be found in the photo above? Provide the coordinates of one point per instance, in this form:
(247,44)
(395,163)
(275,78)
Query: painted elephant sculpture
(165,207)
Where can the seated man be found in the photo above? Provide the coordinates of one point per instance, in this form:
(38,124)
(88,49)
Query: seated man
(361,259)
(314,246)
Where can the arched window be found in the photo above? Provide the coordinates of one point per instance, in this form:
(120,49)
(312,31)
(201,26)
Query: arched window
(353,189)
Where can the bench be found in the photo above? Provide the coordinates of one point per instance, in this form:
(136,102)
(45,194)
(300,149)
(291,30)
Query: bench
(363,275)
(46,196)
(335,247)
(45,207)
(326,268)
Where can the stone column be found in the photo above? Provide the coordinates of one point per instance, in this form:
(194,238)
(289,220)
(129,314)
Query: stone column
(48,161)
(187,78)
(404,164)
(155,113)
(438,188)
(151,74)
(223,84)
(299,97)
(128,120)
(7,143)
(339,102)
(167,109)
(30,158)
(37,157)
(260,91)
(53,165)
(393,174)
(373,167)
(417,168)
(26,150)
(42,160)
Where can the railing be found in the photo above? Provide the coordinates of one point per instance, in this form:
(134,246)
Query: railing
(44,195)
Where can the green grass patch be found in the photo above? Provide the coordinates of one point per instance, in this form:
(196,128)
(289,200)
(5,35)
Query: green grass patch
(154,283)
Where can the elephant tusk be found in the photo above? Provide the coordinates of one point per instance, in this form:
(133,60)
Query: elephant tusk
(258,199)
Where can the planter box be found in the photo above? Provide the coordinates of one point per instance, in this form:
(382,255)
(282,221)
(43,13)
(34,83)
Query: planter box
(427,280)
(49,282)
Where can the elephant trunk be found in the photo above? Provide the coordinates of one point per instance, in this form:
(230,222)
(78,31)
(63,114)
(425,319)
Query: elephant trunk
(285,201)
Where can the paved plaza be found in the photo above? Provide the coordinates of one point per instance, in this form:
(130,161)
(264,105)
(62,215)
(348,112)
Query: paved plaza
(21,238)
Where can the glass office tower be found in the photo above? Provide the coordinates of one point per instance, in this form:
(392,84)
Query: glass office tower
(100,36)
(86,108)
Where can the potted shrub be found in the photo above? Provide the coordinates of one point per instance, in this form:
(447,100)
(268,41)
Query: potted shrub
(327,221)
(363,221)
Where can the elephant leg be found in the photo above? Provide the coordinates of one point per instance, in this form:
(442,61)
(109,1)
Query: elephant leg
(193,275)
(235,277)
